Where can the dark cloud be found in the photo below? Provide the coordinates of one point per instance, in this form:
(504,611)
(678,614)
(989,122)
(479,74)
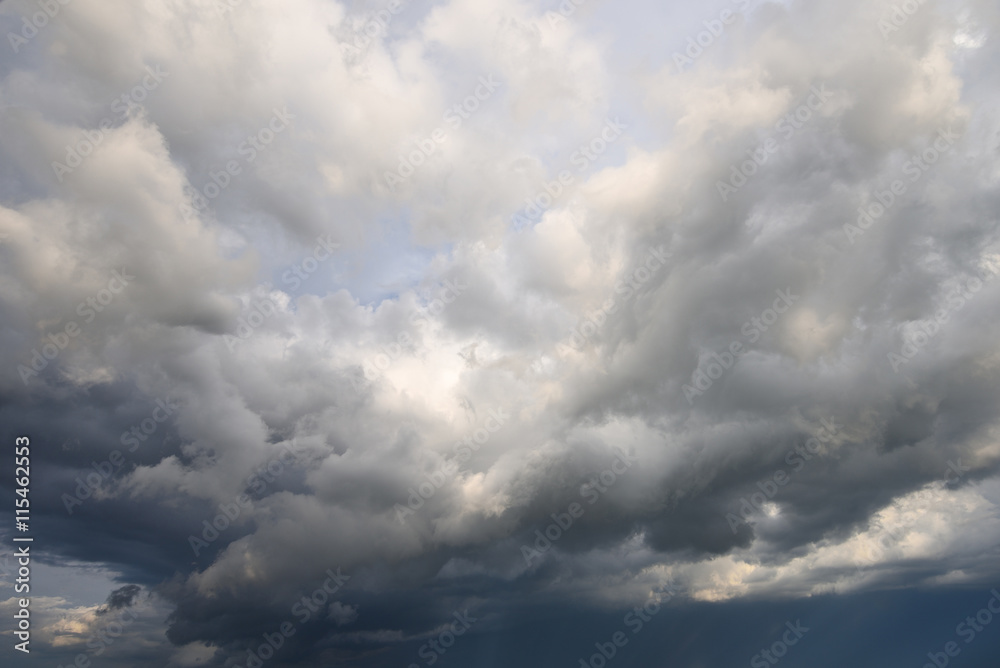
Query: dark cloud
(121,598)
(790,414)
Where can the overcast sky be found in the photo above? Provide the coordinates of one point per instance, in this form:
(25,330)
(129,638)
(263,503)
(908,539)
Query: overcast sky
(484,333)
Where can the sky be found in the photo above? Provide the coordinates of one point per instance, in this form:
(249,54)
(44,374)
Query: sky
(476,333)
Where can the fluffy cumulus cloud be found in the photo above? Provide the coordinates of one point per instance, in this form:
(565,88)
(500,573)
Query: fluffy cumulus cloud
(347,330)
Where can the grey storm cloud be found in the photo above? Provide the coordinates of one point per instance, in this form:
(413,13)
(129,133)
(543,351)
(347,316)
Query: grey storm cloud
(745,348)
(122,598)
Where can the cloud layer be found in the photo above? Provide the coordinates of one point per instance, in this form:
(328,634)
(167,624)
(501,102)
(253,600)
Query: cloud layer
(486,305)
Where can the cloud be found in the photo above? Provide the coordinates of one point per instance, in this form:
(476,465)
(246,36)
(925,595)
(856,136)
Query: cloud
(870,205)
(121,598)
